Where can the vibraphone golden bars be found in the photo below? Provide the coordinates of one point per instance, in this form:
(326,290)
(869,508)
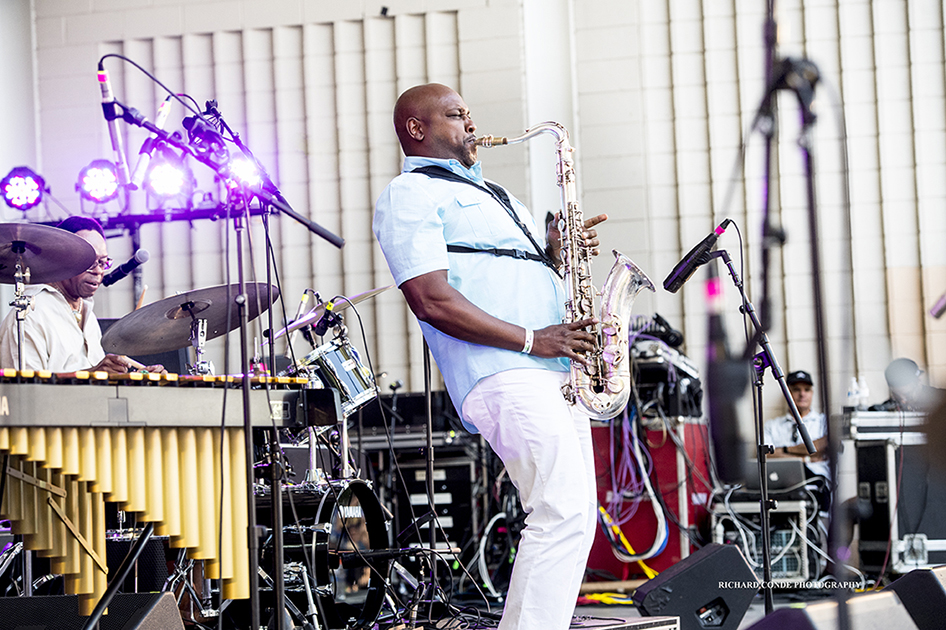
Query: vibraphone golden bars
(159,446)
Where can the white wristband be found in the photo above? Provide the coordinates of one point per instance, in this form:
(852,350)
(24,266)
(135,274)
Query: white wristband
(530,338)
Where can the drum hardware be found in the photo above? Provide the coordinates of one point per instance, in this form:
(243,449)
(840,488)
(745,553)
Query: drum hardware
(298,571)
(183,579)
(198,339)
(336,304)
(337,519)
(289,608)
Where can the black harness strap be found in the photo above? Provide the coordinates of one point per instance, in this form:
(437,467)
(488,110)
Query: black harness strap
(500,195)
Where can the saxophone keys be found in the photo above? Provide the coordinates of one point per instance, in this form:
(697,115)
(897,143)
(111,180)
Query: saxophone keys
(615,384)
(612,354)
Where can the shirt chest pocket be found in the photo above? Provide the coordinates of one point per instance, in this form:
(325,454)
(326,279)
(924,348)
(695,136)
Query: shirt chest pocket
(477,224)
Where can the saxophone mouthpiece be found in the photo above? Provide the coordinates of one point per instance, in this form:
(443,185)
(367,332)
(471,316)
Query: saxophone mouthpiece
(487,142)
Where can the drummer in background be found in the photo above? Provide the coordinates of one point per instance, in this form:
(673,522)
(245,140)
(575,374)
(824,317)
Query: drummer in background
(60,332)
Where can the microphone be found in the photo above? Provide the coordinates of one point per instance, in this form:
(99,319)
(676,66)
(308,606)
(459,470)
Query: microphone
(148,146)
(696,257)
(328,319)
(725,383)
(108,109)
(141,257)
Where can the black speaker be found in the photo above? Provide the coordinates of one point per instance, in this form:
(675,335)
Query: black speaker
(871,611)
(923,593)
(711,588)
(134,611)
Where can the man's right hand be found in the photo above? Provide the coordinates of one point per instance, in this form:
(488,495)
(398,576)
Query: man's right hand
(565,340)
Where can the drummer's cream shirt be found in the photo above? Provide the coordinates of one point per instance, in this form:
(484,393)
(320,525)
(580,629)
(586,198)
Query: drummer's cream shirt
(52,337)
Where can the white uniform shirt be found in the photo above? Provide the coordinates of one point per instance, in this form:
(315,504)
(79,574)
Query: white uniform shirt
(782,432)
(52,337)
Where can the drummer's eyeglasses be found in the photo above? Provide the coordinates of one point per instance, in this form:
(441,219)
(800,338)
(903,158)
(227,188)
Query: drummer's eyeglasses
(104,263)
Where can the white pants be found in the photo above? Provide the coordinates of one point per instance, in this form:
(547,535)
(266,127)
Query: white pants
(545,444)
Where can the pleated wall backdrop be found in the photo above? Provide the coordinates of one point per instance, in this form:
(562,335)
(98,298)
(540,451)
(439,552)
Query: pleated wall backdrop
(663,93)
(313,103)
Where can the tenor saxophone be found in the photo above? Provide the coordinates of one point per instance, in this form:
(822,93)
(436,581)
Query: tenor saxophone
(603,385)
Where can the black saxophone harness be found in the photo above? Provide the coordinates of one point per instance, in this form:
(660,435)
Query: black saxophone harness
(500,195)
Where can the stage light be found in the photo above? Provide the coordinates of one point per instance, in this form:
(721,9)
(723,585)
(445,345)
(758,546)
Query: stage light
(245,172)
(168,176)
(22,188)
(98,181)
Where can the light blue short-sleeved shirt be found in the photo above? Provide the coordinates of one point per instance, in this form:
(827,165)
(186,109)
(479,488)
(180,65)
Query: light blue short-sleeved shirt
(415,219)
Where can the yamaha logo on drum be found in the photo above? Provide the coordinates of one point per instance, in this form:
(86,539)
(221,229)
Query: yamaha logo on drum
(350,511)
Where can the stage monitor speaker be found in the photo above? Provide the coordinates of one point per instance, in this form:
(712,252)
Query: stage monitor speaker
(923,593)
(133,611)
(872,611)
(711,588)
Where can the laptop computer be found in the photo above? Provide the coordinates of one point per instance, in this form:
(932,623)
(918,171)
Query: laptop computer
(782,473)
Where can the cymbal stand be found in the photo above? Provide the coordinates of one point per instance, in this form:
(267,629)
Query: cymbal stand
(198,341)
(21,302)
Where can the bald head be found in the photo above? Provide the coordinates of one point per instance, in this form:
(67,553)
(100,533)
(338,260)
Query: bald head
(433,121)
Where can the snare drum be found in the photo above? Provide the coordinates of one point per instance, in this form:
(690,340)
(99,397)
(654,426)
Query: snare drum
(336,364)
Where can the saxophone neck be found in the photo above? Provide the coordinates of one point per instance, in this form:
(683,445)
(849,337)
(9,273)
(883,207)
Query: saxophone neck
(553,128)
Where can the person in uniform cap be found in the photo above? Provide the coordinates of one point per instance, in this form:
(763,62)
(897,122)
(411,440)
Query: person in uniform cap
(782,433)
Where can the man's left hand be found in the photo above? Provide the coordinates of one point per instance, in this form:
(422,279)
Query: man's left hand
(589,236)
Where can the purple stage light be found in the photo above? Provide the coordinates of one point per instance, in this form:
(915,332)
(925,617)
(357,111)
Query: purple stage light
(22,188)
(98,181)
(165,180)
(245,172)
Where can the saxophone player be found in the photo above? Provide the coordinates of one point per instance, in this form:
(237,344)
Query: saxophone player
(473,268)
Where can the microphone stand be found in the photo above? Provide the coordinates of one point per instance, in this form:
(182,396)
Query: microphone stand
(434,523)
(765,120)
(764,359)
(218,159)
(800,76)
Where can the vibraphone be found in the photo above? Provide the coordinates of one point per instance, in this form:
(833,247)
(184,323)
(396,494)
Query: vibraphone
(164,447)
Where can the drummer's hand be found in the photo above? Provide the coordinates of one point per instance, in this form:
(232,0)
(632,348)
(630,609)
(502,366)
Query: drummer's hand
(114,364)
(135,366)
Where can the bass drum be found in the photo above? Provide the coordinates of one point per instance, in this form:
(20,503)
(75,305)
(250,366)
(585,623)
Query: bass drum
(349,521)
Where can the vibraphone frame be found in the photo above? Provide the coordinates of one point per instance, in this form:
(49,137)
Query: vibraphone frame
(168,448)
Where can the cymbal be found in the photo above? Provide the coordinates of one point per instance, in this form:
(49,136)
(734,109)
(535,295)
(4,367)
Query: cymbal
(340,303)
(165,325)
(50,253)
